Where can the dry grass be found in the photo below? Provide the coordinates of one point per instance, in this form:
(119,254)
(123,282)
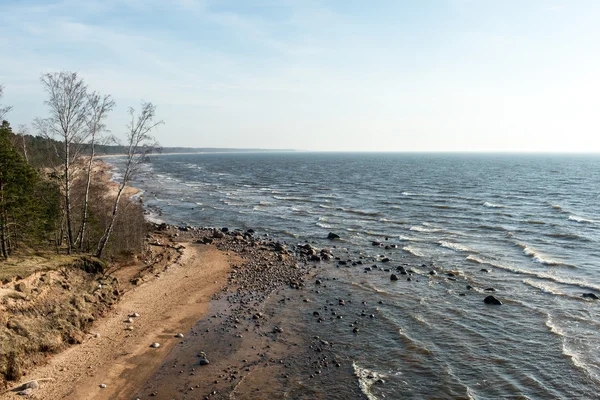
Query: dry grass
(50,308)
(27,262)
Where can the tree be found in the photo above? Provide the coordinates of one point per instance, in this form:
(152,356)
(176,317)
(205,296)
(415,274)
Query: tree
(139,144)
(68,124)
(3,110)
(17,184)
(99,107)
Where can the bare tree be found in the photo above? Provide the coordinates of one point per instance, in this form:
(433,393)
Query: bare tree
(22,133)
(3,110)
(67,124)
(99,107)
(139,144)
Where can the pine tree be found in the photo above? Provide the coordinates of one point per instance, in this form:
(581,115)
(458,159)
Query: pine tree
(19,212)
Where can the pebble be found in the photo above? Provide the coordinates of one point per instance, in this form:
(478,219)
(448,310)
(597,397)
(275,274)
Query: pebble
(155,345)
(179,335)
(102,386)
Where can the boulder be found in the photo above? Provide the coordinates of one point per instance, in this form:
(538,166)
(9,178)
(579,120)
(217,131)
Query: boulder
(592,296)
(333,236)
(393,277)
(492,300)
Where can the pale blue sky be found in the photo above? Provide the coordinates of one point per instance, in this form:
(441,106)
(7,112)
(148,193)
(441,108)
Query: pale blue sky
(378,75)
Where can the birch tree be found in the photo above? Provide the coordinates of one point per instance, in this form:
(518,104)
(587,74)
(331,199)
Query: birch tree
(139,143)
(99,107)
(68,124)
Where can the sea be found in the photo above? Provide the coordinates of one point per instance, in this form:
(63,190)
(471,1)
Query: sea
(524,228)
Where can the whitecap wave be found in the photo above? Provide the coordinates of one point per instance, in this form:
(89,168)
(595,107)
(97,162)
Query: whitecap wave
(366,379)
(413,251)
(419,228)
(454,246)
(581,219)
(539,258)
(492,205)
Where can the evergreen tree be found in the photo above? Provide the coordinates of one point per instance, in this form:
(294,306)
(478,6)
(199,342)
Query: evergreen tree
(20,214)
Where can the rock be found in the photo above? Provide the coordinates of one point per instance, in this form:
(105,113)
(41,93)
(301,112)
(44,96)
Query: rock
(469,287)
(179,335)
(484,270)
(393,277)
(355,330)
(155,345)
(102,386)
(203,361)
(224,230)
(385,259)
(318,282)
(134,315)
(432,272)
(490,289)
(277,330)
(492,300)
(592,296)
(25,392)
(333,236)
(21,287)
(31,385)
(341,302)
(218,235)
(376,243)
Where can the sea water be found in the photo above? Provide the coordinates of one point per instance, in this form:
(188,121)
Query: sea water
(527,226)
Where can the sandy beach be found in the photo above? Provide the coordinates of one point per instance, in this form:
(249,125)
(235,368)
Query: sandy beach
(168,301)
(186,273)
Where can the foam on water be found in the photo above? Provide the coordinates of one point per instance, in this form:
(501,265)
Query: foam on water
(455,246)
(581,219)
(413,251)
(366,379)
(492,205)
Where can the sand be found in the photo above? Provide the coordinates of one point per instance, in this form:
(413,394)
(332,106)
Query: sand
(170,302)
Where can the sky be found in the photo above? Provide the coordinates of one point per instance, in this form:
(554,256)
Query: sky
(322,75)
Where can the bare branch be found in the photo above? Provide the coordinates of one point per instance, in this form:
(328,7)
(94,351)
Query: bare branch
(6,109)
(139,143)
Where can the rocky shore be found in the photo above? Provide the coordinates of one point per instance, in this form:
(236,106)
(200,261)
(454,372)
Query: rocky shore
(253,337)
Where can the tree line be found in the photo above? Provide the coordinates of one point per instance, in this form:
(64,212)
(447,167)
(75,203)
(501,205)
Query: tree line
(52,190)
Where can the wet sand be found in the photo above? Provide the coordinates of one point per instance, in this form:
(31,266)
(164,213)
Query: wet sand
(244,303)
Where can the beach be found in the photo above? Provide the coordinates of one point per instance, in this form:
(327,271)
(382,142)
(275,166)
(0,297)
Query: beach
(186,273)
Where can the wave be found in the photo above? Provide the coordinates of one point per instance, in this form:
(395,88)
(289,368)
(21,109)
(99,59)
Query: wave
(322,223)
(537,274)
(492,205)
(424,229)
(537,257)
(361,212)
(544,287)
(413,251)
(476,260)
(454,246)
(389,221)
(534,222)
(581,219)
(569,353)
(568,236)
(366,379)
(292,198)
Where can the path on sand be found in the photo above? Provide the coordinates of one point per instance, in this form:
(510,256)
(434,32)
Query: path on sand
(168,303)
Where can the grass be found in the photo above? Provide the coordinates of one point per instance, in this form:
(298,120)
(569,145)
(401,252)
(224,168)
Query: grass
(27,263)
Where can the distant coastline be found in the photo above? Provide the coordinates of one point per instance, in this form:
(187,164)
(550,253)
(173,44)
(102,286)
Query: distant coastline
(167,151)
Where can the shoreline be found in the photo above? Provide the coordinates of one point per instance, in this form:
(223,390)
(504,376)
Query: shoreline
(231,273)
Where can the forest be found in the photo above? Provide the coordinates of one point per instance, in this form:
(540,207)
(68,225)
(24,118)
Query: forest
(56,194)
